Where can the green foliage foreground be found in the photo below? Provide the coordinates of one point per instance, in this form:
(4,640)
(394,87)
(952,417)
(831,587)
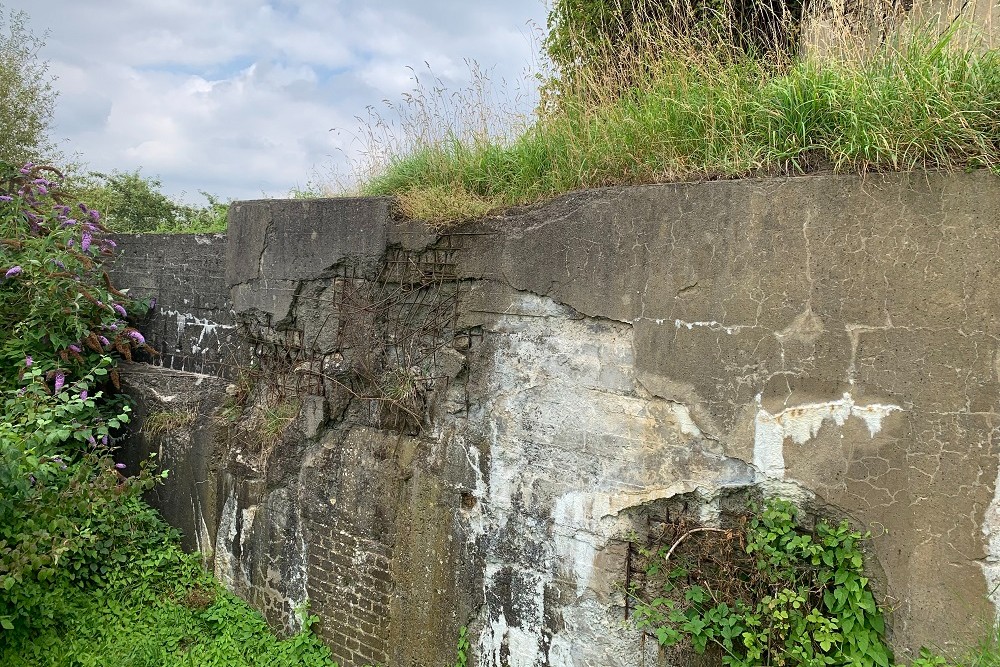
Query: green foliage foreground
(156,608)
(89,574)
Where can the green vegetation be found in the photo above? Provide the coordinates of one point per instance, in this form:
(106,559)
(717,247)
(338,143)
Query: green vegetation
(681,105)
(462,650)
(89,574)
(766,591)
(133,203)
(155,608)
(165,421)
(27,98)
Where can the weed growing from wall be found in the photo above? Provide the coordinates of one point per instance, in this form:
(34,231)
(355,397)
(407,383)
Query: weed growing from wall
(463,648)
(765,591)
(166,421)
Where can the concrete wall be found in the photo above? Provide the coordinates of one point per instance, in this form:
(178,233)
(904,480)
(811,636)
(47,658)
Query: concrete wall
(461,429)
(192,325)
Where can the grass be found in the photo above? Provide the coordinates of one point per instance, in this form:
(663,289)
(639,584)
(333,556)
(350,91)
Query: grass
(703,112)
(200,626)
(158,609)
(166,421)
(272,421)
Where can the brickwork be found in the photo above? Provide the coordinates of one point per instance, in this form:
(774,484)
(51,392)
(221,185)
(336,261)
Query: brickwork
(192,326)
(349,586)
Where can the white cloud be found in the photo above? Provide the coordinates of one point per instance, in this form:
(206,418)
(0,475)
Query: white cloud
(238,97)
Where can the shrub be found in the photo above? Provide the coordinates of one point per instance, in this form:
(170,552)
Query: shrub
(62,500)
(133,203)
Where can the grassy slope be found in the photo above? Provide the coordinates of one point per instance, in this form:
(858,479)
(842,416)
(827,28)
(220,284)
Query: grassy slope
(923,106)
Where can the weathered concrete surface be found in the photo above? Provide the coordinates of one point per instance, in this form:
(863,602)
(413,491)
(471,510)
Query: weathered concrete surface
(836,334)
(468,425)
(277,244)
(175,418)
(191,326)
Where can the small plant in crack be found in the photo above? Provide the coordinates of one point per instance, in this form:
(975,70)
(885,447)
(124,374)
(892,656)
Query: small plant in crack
(272,420)
(401,385)
(167,421)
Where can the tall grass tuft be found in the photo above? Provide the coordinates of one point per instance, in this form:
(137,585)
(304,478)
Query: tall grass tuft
(691,99)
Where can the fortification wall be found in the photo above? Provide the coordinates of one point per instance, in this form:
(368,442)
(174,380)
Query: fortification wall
(192,325)
(437,430)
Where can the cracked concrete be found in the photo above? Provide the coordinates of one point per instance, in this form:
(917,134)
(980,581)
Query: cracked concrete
(832,339)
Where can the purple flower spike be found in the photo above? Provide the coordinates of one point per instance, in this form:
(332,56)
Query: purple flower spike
(104,341)
(109,243)
(104,440)
(60,381)
(12,271)
(120,466)
(28,361)
(85,242)
(42,190)
(120,309)
(69,223)
(95,216)
(83,395)
(74,348)
(69,244)
(136,336)
(83,207)
(6,198)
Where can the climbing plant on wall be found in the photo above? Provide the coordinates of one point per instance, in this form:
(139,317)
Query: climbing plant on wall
(764,591)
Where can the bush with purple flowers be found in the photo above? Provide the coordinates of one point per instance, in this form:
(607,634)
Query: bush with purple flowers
(60,492)
(59,305)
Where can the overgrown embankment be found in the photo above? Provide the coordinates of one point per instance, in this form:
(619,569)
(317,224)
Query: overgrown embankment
(664,103)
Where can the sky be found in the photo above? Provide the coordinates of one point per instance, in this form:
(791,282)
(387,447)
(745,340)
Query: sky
(253,98)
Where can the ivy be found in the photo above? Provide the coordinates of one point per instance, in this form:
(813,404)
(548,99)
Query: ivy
(767,592)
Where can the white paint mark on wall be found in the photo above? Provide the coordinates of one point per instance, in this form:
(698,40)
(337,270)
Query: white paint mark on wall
(713,325)
(523,641)
(802,423)
(185,320)
(684,420)
(991,564)
(202,538)
(574,544)
(225,566)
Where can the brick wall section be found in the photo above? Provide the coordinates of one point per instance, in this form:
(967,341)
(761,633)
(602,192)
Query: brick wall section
(193,325)
(349,521)
(349,584)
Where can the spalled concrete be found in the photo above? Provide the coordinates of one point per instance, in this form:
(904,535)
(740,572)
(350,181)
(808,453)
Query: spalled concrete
(461,429)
